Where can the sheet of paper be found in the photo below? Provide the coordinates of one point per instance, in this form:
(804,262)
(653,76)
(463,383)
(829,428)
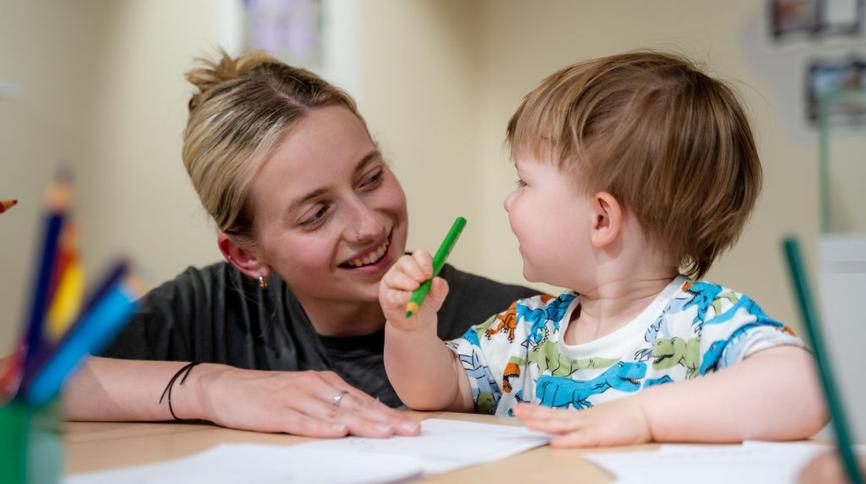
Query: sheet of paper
(751,462)
(253,463)
(443,445)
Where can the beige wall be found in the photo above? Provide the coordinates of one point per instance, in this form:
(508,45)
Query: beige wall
(441,118)
(419,93)
(520,45)
(101,88)
(48,51)
(136,197)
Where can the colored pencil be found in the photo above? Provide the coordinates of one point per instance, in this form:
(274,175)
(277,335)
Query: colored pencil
(111,279)
(58,201)
(7,204)
(451,237)
(10,374)
(66,290)
(95,330)
(812,322)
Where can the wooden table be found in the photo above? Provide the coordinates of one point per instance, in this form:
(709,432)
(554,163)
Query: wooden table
(97,446)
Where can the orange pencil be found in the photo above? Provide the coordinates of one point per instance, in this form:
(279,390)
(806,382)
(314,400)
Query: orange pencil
(7,204)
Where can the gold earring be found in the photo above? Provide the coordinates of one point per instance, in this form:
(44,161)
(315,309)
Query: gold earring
(262,282)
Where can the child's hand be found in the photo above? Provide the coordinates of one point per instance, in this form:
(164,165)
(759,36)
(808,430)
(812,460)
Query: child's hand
(406,275)
(619,422)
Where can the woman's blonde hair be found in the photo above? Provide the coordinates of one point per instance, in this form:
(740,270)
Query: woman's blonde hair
(241,108)
(669,142)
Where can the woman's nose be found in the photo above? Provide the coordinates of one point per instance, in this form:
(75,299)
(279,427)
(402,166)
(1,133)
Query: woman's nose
(365,225)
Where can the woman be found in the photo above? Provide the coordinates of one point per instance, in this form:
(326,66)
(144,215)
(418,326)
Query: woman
(289,330)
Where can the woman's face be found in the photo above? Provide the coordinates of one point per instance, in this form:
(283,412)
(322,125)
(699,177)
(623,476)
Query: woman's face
(330,217)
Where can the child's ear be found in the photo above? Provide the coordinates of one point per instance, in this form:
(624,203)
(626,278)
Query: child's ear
(244,259)
(607,219)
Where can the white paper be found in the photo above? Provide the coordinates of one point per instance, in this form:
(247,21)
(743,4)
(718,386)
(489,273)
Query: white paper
(253,463)
(751,462)
(443,445)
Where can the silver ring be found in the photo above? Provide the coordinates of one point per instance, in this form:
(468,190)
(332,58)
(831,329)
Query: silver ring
(338,398)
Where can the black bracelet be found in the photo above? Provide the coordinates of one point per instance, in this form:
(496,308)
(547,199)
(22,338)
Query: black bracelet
(182,374)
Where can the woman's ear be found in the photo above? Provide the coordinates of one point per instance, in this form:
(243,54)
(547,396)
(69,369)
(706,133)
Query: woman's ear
(607,219)
(244,259)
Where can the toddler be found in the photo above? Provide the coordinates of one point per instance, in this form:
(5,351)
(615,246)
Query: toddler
(635,172)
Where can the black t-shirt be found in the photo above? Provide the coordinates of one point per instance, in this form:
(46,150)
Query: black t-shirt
(218,315)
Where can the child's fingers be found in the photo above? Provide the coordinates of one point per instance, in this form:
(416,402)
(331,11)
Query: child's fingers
(530,411)
(527,410)
(550,420)
(555,426)
(436,296)
(410,266)
(396,298)
(439,289)
(581,438)
(400,280)
(425,262)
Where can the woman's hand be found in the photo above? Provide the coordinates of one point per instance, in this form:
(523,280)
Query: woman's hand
(406,275)
(306,403)
(618,422)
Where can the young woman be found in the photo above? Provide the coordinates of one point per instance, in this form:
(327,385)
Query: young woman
(288,330)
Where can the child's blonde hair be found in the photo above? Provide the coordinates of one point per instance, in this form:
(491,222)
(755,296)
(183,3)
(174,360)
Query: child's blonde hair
(672,144)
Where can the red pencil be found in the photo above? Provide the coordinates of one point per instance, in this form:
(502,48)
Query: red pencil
(7,204)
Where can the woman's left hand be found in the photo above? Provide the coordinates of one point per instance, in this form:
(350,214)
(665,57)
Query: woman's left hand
(619,422)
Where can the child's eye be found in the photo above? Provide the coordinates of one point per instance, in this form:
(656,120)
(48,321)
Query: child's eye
(520,183)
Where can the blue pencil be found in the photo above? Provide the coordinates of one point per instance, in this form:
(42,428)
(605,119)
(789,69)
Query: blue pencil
(111,279)
(94,331)
(59,198)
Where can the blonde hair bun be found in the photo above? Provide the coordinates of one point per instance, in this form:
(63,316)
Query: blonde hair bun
(241,108)
(212,73)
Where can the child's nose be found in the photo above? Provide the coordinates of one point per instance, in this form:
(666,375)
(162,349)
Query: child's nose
(507,202)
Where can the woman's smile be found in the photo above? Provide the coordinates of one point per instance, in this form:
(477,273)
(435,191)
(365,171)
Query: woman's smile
(374,260)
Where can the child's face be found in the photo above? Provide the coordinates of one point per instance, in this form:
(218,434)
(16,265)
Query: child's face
(552,220)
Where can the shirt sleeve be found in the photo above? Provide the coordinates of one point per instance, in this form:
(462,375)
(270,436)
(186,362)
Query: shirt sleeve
(485,390)
(738,328)
(492,357)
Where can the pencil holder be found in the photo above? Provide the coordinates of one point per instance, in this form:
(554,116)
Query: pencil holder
(30,443)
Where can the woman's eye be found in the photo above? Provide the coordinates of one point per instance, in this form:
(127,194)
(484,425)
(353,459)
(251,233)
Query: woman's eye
(373,180)
(317,215)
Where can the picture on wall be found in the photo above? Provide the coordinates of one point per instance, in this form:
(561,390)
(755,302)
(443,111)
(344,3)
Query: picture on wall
(828,77)
(815,18)
(289,29)
(794,16)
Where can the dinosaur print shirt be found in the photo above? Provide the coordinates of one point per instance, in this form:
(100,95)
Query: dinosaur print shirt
(690,329)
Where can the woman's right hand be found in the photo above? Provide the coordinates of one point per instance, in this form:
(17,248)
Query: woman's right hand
(305,403)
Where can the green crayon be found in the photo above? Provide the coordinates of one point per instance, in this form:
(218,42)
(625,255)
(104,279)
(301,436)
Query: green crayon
(419,294)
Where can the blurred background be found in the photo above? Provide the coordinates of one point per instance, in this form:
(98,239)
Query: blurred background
(97,86)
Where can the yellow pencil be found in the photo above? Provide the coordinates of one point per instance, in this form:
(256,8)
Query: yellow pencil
(66,290)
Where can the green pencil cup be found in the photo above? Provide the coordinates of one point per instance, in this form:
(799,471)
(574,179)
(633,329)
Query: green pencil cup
(30,443)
